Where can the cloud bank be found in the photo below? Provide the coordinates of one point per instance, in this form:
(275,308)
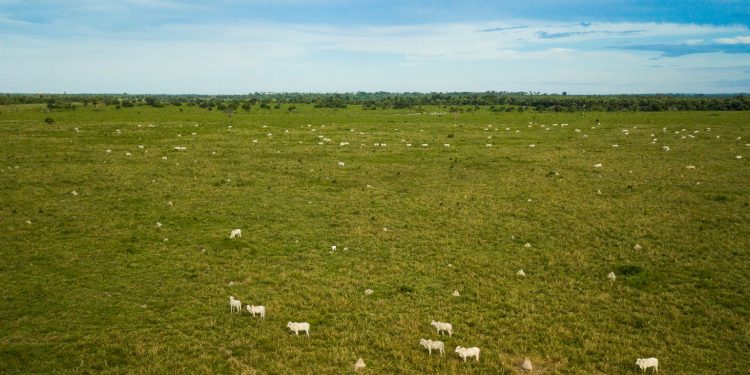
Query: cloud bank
(174,55)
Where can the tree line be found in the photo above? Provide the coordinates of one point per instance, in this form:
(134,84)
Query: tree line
(452,101)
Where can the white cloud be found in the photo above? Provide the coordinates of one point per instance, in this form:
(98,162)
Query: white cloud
(735,40)
(9,21)
(257,56)
(692,42)
(443,41)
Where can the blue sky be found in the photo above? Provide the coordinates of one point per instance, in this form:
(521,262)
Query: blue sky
(236,47)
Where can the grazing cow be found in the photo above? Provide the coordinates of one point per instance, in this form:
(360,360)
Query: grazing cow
(235,304)
(430,345)
(296,327)
(645,363)
(443,327)
(257,310)
(468,352)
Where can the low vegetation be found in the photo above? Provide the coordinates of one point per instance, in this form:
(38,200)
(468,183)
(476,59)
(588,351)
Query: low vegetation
(448,102)
(92,285)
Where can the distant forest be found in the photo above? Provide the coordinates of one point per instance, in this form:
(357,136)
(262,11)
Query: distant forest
(452,101)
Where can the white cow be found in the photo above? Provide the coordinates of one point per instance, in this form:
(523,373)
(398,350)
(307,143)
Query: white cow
(235,304)
(257,310)
(443,327)
(468,352)
(429,345)
(296,327)
(360,364)
(645,363)
(235,233)
(527,364)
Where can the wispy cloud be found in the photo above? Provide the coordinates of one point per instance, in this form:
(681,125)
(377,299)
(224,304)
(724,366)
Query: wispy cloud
(677,50)
(172,54)
(494,29)
(735,40)
(567,34)
(5,20)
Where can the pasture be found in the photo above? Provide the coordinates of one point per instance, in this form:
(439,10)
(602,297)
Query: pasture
(91,284)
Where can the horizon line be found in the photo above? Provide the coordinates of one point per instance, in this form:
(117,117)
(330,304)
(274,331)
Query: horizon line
(529,93)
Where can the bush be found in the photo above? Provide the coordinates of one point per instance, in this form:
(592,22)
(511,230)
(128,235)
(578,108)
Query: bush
(406,289)
(629,270)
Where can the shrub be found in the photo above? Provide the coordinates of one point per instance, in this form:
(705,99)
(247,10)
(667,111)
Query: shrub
(405,289)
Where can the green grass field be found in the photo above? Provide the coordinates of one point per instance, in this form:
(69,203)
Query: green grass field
(91,285)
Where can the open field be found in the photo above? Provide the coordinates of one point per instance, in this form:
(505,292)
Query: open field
(91,285)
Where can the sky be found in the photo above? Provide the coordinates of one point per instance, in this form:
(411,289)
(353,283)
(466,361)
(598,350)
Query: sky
(240,47)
